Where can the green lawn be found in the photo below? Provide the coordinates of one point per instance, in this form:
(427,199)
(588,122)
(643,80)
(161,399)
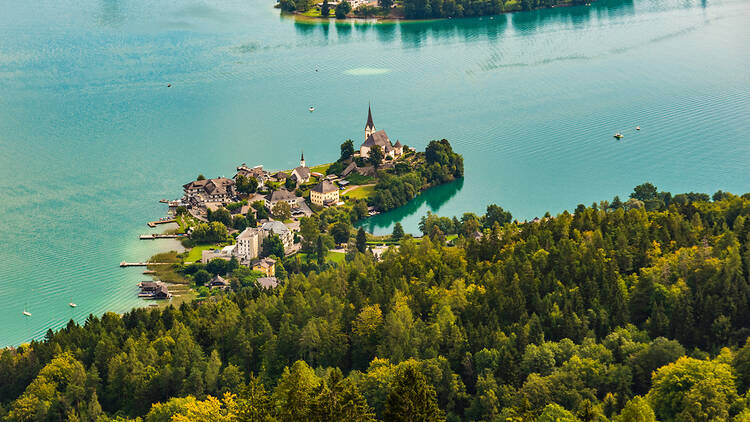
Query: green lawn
(323,167)
(363,192)
(195,253)
(358,179)
(335,257)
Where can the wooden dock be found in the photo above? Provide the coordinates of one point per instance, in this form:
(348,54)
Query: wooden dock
(142,264)
(161,236)
(154,223)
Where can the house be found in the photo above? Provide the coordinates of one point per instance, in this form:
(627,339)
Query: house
(248,244)
(380,138)
(266,265)
(282,195)
(279,176)
(162,292)
(257,172)
(268,282)
(250,241)
(280,229)
(219,190)
(218,282)
(324,193)
(302,173)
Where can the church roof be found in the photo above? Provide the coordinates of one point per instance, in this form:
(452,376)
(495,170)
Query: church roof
(397,144)
(378,138)
(369,119)
(301,172)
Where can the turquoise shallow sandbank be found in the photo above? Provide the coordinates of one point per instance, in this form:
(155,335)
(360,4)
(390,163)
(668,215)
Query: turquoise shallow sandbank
(92,137)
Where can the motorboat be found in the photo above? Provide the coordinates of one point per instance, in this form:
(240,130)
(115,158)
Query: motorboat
(26,313)
(637,128)
(311,109)
(619,135)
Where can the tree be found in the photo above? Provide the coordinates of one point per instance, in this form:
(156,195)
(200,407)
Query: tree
(343,9)
(741,364)
(320,251)
(340,232)
(254,403)
(361,240)
(272,246)
(636,410)
(325,10)
(222,215)
(375,156)
(339,399)
(347,148)
(294,393)
(239,222)
(288,5)
(246,185)
(555,413)
(496,214)
(290,183)
(209,232)
(282,211)
(692,389)
(411,398)
(201,277)
(201,177)
(385,4)
(217,266)
(398,232)
(644,192)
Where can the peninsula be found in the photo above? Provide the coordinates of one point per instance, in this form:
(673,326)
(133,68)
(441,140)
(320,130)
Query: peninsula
(271,223)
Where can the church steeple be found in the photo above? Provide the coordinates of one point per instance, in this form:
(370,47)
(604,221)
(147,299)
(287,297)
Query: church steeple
(370,126)
(302,160)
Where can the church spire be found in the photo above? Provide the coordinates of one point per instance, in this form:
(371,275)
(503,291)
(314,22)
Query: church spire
(302,160)
(370,124)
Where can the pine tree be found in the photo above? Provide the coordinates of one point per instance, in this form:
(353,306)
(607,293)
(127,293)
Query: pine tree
(411,398)
(361,240)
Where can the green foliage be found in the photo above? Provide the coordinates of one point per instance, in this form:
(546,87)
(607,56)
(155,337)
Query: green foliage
(246,185)
(361,240)
(222,215)
(272,246)
(325,10)
(347,148)
(213,232)
(577,314)
(398,232)
(282,210)
(343,9)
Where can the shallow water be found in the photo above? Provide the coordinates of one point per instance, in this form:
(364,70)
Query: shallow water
(91,137)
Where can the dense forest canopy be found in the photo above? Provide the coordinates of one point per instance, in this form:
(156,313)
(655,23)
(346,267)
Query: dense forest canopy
(625,310)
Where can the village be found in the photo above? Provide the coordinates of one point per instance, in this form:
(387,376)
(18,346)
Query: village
(261,212)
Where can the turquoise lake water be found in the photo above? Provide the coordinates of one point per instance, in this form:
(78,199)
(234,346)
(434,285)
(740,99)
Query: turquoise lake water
(91,137)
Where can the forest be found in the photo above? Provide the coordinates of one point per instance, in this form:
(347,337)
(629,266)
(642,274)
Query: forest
(423,9)
(631,310)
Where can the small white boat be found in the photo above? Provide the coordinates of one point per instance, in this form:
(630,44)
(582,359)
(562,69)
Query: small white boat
(619,135)
(26,313)
(311,109)
(637,128)
(72,305)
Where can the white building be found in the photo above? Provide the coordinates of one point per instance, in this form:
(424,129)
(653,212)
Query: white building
(324,193)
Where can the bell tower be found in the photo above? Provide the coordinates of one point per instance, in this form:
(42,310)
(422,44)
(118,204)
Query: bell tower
(302,160)
(370,126)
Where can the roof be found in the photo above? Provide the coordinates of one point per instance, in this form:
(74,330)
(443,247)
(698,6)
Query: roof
(256,172)
(247,233)
(280,175)
(276,227)
(350,168)
(397,144)
(369,118)
(218,186)
(268,282)
(219,280)
(281,195)
(378,138)
(265,263)
(324,187)
(162,290)
(301,172)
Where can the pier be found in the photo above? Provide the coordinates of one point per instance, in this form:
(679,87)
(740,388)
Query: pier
(142,264)
(165,221)
(161,236)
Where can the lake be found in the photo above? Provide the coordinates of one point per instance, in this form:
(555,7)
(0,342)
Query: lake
(91,137)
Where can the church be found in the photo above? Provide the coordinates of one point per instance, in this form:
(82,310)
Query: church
(380,138)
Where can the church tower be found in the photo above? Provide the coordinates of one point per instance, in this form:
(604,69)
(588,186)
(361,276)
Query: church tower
(302,160)
(370,126)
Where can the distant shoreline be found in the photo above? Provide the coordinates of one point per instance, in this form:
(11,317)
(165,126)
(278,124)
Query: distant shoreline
(301,17)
